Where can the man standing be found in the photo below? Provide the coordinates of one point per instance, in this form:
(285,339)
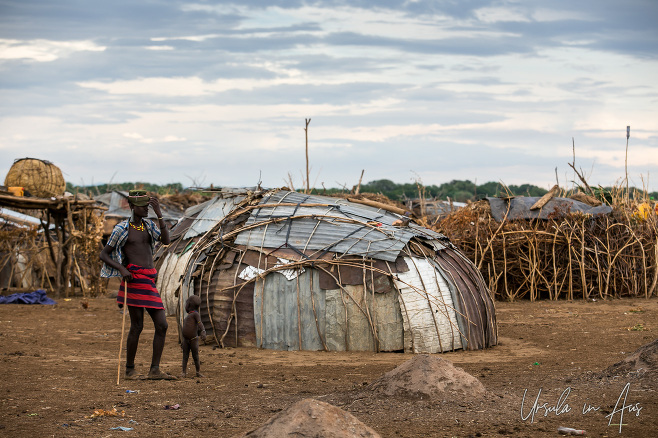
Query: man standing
(129,255)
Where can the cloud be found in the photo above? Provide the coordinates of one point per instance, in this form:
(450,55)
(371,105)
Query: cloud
(44,50)
(446,90)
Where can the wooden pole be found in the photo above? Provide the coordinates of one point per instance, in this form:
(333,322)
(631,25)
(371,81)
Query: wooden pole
(358,186)
(308,182)
(123,328)
(628,134)
(391,208)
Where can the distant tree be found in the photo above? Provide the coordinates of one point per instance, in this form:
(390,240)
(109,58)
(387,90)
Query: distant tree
(489,189)
(380,185)
(462,196)
(105,188)
(527,190)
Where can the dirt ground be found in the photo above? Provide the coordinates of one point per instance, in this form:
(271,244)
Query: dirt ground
(59,364)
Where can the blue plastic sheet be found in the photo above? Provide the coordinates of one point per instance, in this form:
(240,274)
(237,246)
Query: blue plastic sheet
(37,297)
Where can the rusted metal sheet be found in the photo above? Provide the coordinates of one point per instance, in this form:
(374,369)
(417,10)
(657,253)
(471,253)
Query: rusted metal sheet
(289,314)
(217,305)
(430,321)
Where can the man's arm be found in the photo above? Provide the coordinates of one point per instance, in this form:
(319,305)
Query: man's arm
(164,229)
(107,259)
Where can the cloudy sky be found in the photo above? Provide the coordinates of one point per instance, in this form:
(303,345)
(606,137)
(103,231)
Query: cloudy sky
(203,92)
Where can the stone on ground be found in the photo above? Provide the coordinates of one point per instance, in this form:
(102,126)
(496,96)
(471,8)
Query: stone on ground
(311,418)
(643,361)
(428,377)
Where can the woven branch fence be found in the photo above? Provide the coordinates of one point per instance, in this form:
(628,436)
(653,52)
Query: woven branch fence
(571,256)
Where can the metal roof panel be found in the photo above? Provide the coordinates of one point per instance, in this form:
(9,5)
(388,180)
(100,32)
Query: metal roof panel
(341,227)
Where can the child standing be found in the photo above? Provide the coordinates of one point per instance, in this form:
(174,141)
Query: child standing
(191,326)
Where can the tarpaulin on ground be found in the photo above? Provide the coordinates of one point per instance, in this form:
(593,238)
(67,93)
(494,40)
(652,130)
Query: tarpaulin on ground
(519,208)
(37,297)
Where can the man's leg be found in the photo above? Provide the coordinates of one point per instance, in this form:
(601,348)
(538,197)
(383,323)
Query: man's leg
(136,326)
(160,322)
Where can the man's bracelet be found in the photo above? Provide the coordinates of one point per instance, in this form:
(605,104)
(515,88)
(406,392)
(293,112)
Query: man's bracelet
(159,218)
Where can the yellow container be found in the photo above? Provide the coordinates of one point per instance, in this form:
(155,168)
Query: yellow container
(16,191)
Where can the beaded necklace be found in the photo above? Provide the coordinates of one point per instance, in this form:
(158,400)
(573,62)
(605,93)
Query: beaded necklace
(138,228)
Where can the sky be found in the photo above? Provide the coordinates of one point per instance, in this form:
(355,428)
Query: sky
(218,92)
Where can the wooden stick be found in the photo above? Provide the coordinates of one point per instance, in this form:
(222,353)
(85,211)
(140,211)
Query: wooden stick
(376,204)
(547,197)
(583,278)
(584,181)
(123,329)
(299,315)
(628,134)
(655,272)
(358,186)
(308,183)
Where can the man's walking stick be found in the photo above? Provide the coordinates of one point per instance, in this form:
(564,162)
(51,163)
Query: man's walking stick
(123,326)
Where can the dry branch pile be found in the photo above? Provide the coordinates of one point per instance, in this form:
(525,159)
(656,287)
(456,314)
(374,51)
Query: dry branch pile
(61,260)
(181,201)
(23,258)
(567,256)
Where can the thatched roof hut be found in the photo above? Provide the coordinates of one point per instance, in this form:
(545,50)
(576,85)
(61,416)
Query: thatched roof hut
(284,270)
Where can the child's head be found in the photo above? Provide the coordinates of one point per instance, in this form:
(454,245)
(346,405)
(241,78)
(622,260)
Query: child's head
(192,303)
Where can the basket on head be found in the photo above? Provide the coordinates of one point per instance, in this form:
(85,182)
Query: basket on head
(40,177)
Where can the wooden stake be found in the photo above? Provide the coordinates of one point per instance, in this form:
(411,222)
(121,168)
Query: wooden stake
(308,179)
(123,329)
(387,207)
(628,134)
(358,187)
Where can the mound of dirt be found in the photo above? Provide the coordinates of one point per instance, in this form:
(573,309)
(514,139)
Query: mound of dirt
(644,361)
(428,377)
(311,418)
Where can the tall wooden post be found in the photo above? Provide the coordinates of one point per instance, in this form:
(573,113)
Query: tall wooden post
(308,183)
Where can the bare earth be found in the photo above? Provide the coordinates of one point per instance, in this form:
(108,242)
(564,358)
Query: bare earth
(59,364)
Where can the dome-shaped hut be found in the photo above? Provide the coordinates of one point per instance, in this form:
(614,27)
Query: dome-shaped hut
(283,270)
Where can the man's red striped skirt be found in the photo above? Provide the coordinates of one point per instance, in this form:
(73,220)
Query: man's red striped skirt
(141,290)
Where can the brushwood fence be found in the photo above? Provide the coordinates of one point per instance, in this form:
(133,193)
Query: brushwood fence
(572,256)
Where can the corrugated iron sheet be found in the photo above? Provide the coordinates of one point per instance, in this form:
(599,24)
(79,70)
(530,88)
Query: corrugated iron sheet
(289,314)
(351,314)
(341,228)
(430,321)
(212,214)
